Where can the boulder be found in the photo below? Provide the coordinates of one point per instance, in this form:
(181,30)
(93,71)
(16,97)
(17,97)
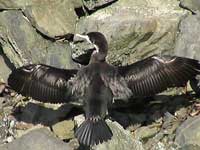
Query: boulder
(40,139)
(135,29)
(187,42)
(187,134)
(23,45)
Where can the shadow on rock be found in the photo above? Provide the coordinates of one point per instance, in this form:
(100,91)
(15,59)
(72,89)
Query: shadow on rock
(34,113)
(148,110)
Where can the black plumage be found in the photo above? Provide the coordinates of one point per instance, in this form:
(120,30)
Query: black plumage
(99,83)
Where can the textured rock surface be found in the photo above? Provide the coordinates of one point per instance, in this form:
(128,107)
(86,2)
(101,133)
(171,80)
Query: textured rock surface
(188,132)
(121,139)
(187,43)
(64,129)
(54,18)
(192,5)
(40,139)
(135,29)
(94,4)
(22,44)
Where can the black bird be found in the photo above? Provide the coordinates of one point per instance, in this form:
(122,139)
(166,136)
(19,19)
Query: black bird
(99,83)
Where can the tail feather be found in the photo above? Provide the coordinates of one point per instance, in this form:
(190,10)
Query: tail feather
(93,132)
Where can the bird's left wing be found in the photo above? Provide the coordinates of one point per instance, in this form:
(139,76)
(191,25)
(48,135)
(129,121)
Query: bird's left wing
(155,74)
(42,82)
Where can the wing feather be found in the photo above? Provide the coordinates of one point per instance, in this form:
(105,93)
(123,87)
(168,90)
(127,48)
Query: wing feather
(42,82)
(155,74)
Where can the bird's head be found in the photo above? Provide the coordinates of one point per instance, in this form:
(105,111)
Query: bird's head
(99,42)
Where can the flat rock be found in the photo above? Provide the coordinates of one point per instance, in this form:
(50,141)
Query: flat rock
(187,42)
(40,139)
(54,18)
(92,5)
(135,29)
(64,129)
(187,133)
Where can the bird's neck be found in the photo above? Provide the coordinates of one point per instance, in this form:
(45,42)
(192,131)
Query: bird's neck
(98,57)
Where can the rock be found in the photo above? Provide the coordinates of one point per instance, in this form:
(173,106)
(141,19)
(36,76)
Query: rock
(92,5)
(64,129)
(190,147)
(23,45)
(54,18)
(40,139)
(187,133)
(135,29)
(121,139)
(192,5)
(145,132)
(187,42)
(21,4)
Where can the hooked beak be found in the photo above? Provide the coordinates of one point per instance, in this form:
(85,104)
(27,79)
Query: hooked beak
(86,37)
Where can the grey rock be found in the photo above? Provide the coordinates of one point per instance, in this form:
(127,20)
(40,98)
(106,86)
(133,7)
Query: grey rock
(122,139)
(41,139)
(192,5)
(190,147)
(187,133)
(54,18)
(187,42)
(135,29)
(22,4)
(64,129)
(94,4)
(146,132)
(23,45)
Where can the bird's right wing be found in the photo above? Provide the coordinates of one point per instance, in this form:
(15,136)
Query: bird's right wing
(155,74)
(42,82)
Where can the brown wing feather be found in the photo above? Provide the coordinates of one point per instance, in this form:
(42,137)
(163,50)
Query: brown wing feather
(42,82)
(155,74)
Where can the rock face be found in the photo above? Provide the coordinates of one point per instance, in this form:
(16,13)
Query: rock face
(187,43)
(121,139)
(54,18)
(41,139)
(135,29)
(22,44)
(192,5)
(187,134)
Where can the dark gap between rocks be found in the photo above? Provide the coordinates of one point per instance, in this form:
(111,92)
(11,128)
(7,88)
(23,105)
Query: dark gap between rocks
(186,8)
(81,11)
(6,59)
(98,7)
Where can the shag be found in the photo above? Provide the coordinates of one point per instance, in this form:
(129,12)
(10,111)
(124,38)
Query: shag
(99,83)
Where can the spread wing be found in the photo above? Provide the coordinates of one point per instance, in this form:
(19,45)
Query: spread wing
(155,74)
(42,82)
